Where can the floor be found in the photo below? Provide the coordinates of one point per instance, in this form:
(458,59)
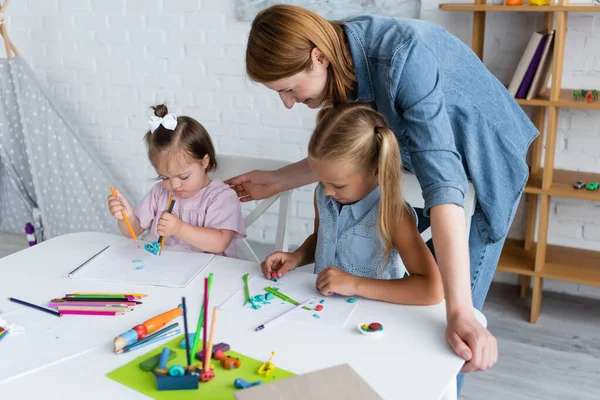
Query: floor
(556,358)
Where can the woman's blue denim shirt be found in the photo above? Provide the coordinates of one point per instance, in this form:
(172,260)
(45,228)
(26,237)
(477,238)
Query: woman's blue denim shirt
(453,119)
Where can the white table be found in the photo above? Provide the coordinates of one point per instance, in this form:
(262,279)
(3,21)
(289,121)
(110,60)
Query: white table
(411,360)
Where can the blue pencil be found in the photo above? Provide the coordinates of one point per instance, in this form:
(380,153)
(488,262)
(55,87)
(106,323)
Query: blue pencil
(156,339)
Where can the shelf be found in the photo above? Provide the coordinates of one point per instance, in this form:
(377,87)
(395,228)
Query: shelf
(572,265)
(562,185)
(565,100)
(525,8)
(515,259)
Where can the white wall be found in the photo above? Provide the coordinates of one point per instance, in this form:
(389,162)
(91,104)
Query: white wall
(107,61)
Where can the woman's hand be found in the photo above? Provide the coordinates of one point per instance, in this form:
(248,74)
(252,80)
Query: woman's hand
(256,185)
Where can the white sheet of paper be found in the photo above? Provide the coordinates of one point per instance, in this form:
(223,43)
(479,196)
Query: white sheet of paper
(299,286)
(137,266)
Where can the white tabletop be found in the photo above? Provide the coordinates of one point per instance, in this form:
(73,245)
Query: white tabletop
(410,360)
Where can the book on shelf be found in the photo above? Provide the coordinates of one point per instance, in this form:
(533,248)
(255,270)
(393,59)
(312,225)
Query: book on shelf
(542,74)
(533,66)
(523,65)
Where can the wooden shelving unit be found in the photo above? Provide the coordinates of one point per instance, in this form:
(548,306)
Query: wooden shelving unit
(527,258)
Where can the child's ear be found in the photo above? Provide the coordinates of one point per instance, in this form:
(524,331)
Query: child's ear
(376,171)
(205,161)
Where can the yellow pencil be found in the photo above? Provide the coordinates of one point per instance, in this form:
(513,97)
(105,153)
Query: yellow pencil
(133,235)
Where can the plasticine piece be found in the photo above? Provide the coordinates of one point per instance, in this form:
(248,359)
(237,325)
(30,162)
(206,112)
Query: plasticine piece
(319,307)
(137,261)
(269,296)
(351,300)
(153,362)
(207,376)
(274,276)
(322,301)
(166,382)
(223,347)
(219,354)
(164,358)
(139,267)
(153,247)
(176,370)
(312,302)
(240,383)
(267,367)
(259,298)
(317,316)
(230,362)
(375,326)
(256,306)
(191,337)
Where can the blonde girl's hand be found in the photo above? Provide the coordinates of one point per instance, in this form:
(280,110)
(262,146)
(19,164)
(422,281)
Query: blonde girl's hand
(280,262)
(333,280)
(168,224)
(117,205)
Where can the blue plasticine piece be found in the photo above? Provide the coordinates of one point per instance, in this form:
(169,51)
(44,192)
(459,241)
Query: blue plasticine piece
(185,382)
(269,296)
(240,383)
(164,358)
(153,247)
(190,338)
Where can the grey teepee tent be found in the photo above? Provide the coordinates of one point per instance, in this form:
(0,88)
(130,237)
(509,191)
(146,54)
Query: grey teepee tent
(47,177)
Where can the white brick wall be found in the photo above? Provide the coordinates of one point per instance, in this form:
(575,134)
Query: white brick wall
(107,61)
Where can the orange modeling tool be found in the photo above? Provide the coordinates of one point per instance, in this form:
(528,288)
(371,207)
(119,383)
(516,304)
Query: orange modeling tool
(133,235)
(140,331)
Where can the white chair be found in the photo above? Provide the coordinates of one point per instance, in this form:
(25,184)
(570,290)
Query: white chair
(230,166)
(413,195)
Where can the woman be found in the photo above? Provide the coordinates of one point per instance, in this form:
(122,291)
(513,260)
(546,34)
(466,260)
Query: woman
(453,119)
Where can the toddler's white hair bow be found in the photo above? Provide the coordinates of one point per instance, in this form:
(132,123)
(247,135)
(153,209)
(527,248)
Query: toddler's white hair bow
(169,121)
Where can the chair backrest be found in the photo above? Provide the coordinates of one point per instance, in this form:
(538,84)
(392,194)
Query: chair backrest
(230,166)
(413,195)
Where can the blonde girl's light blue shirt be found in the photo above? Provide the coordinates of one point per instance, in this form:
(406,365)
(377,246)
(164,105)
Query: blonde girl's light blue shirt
(348,238)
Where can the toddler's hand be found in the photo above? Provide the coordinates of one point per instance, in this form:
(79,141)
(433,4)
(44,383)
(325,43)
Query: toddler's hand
(333,280)
(168,224)
(280,262)
(119,204)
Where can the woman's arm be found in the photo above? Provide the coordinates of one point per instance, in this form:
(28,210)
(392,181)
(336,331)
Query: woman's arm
(210,240)
(257,185)
(423,286)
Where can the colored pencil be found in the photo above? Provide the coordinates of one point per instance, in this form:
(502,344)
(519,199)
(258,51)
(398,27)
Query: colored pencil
(154,340)
(3,334)
(24,303)
(153,336)
(61,309)
(161,239)
(201,320)
(299,306)
(133,235)
(91,313)
(187,338)
(70,274)
(204,366)
(208,351)
(88,304)
(111,294)
(98,299)
(90,296)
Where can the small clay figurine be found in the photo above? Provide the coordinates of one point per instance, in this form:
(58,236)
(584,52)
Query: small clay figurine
(595,94)
(576,94)
(589,98)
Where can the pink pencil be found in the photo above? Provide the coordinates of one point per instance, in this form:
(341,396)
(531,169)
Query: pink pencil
(95,313)
(88,304)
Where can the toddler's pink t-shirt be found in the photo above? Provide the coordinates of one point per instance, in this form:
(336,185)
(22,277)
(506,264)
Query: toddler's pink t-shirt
(215,206)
